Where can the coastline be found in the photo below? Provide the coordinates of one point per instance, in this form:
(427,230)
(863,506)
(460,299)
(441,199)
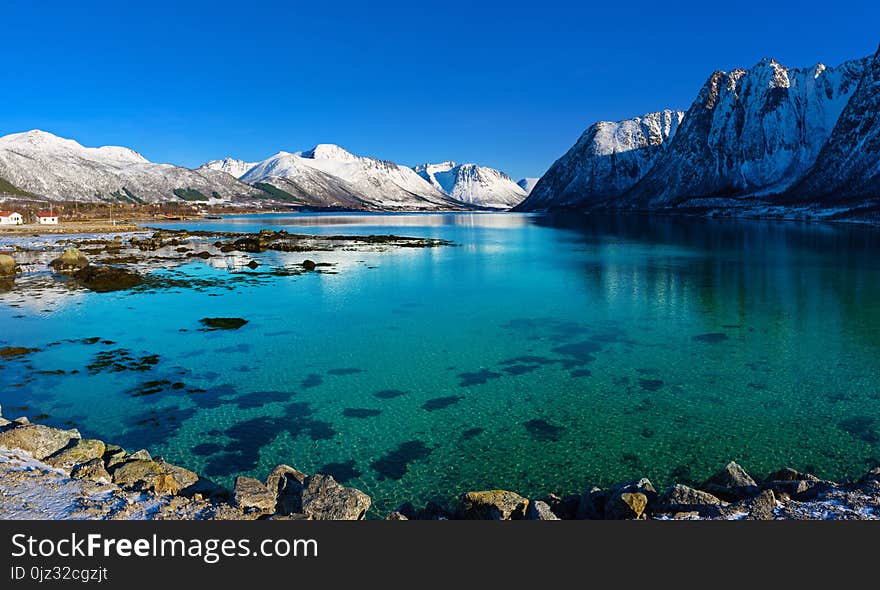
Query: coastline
(49,473)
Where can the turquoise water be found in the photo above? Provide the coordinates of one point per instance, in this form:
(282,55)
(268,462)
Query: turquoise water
(539,354)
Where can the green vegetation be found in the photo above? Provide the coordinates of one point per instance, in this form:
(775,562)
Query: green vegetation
(215,195)
(127,196)
(7,188)
(277,193)
(189,194)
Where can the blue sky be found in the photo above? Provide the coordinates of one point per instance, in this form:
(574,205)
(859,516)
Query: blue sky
(505,84)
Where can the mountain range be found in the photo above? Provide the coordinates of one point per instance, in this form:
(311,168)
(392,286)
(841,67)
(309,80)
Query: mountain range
(765,140)
(37,164)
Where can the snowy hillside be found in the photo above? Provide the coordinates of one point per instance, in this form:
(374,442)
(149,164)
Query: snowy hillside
(56,168)
(236,168)
(528,184)
(472,184)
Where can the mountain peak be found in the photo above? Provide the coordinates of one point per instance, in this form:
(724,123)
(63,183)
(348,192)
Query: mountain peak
(328,151)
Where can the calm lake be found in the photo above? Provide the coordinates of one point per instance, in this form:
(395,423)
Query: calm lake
(539,354)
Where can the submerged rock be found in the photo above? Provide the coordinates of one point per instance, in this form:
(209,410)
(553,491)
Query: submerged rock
(222,323)
(38,440)
(492,505)
(71,260)
(8,352)
(732,483)
(104,279)
(309,264)
(251,494)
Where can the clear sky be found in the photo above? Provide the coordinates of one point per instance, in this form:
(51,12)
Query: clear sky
(506,84)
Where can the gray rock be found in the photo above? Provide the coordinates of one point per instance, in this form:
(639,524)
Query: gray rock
(396,516)
(681,498)
(625,505)
(732,483)
(38,440)
(591,504)
(760,507)
(287,484)
(789,474)
(873,475)
(251,494)
(492,505)
(93,470)
(81,451)
(325,499)
(539,510)
(145,475)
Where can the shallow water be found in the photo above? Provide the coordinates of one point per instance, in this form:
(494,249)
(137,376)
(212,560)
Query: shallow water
(539,354)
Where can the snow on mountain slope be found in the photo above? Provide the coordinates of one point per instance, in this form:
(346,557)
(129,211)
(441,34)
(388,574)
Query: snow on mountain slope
(528,184)
(236,168)
(328,175)
(749,132)
(607,160)
(56,168)
(472,184)
(848,167)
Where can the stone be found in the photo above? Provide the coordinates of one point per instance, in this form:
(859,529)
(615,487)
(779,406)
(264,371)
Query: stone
(732,483)
(145,475)
(789,474)
(251,494)
(492,505)
(540,510)
(104,279)
(184,478)
(38,440)
(222,323)
(625,505)
(93,470)
(396,516)
(873,475)
(760,507)
(70,260)
(81,451)
(287,485)
(7,265)
(797,489)
(309,264)
(591,504)
(325,499)
(681,498)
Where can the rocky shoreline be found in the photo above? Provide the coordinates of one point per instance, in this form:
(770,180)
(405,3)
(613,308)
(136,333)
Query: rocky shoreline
(50,473)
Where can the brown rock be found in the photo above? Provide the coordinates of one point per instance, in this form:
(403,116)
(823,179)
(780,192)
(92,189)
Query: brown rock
(93,470)
(81,451)
(251,494)
(626,505)
(492,505)
(732,483)
(71,260)
(145,475)
(7,265)
(38,440)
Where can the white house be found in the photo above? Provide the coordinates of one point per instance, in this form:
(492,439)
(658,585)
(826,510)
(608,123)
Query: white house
(11,218)
(47,218)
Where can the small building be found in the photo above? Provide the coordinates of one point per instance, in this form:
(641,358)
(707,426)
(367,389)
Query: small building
(47,218)
(11,218)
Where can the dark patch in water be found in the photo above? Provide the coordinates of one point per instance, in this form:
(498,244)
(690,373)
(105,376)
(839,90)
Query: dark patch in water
(395,463)
(345,371)
(207,449)
(647,433)
(156,424)
(259,399)
(389,393)
(647,371)
(121,359)
(438,403)
(150,388)
(312,380)
(651,384)
(243,348)
(360,412)
(212,324)
(758,386)
(581,353)
(341,472)
(581,373)
(529,359)
(543,431)
(520,369)
(478,378)
(472,432)
(862,427)
(710,338)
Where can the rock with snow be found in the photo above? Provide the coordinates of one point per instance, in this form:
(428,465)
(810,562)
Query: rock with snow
(236,168)
(527,184)
(61,169)
(472,184)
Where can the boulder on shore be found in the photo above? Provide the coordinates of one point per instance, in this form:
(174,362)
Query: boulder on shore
(539,510)
(70,260)
(287,485)
(325,499)
(93,470)
(38,440)
(7,265)
(492,505)
(145,475)
(732,483)
(251,494)
(631,500)
(81,451)
(681,498)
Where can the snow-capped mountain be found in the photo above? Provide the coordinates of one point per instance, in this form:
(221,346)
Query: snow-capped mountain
(56,168)
(236,168)
(753,140)
(328,175)
(607,160)
(472,184)
(528,184)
